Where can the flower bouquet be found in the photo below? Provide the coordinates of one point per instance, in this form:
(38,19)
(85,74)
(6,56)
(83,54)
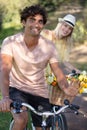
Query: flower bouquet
(57,96)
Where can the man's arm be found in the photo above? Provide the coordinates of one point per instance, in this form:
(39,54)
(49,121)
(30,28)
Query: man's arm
(6,64)
(69,89)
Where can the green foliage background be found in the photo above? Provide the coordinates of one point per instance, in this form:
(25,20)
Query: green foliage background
(10,20)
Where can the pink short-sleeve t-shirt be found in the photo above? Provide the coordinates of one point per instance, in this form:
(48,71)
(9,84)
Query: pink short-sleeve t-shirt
(27,73)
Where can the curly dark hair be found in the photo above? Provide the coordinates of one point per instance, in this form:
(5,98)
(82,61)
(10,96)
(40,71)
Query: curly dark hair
(32,11)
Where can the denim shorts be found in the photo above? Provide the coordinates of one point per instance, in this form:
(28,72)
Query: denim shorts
(39,103)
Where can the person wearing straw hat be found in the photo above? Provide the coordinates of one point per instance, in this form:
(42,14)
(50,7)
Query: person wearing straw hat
(61,36)
(69,19)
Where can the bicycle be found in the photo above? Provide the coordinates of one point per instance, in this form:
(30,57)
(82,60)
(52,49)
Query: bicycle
(56,114)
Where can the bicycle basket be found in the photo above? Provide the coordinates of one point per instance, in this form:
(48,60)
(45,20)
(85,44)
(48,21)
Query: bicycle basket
(57,96)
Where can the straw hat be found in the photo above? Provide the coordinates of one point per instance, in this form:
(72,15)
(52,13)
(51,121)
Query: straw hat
(69,19)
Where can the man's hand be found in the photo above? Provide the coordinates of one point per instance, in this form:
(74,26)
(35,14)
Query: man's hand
(73,88)
(5,104)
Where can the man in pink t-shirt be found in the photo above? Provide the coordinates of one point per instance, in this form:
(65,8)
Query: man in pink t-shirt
(24,57)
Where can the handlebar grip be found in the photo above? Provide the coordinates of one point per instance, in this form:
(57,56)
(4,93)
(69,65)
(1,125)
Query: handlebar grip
(74,107)
(66,102)
(16,104)
(74,71)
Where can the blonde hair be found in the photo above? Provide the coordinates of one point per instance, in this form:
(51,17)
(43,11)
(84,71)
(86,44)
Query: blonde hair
(57,33)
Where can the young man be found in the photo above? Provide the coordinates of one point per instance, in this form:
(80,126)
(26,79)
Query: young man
(24,57)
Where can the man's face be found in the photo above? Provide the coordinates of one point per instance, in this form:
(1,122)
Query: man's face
(34,25)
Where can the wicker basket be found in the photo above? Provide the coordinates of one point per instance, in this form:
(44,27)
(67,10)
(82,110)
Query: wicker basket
(57,96)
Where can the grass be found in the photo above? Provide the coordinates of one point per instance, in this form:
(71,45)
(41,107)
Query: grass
(5,119)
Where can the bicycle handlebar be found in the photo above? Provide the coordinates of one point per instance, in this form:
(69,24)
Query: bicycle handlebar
(17,108)
(74,73)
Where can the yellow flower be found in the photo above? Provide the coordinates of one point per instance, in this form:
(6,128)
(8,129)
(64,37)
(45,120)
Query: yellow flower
(80,77)
(81,90)
(83,84)
(85,79)
(55,78)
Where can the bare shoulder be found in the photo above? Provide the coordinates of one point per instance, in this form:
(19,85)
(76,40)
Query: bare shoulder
(46,31)
(47,42)
(47,34)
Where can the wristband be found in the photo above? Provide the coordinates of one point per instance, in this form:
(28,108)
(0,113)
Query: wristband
(5,97)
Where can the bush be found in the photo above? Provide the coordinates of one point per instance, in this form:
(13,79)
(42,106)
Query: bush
(80,33)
